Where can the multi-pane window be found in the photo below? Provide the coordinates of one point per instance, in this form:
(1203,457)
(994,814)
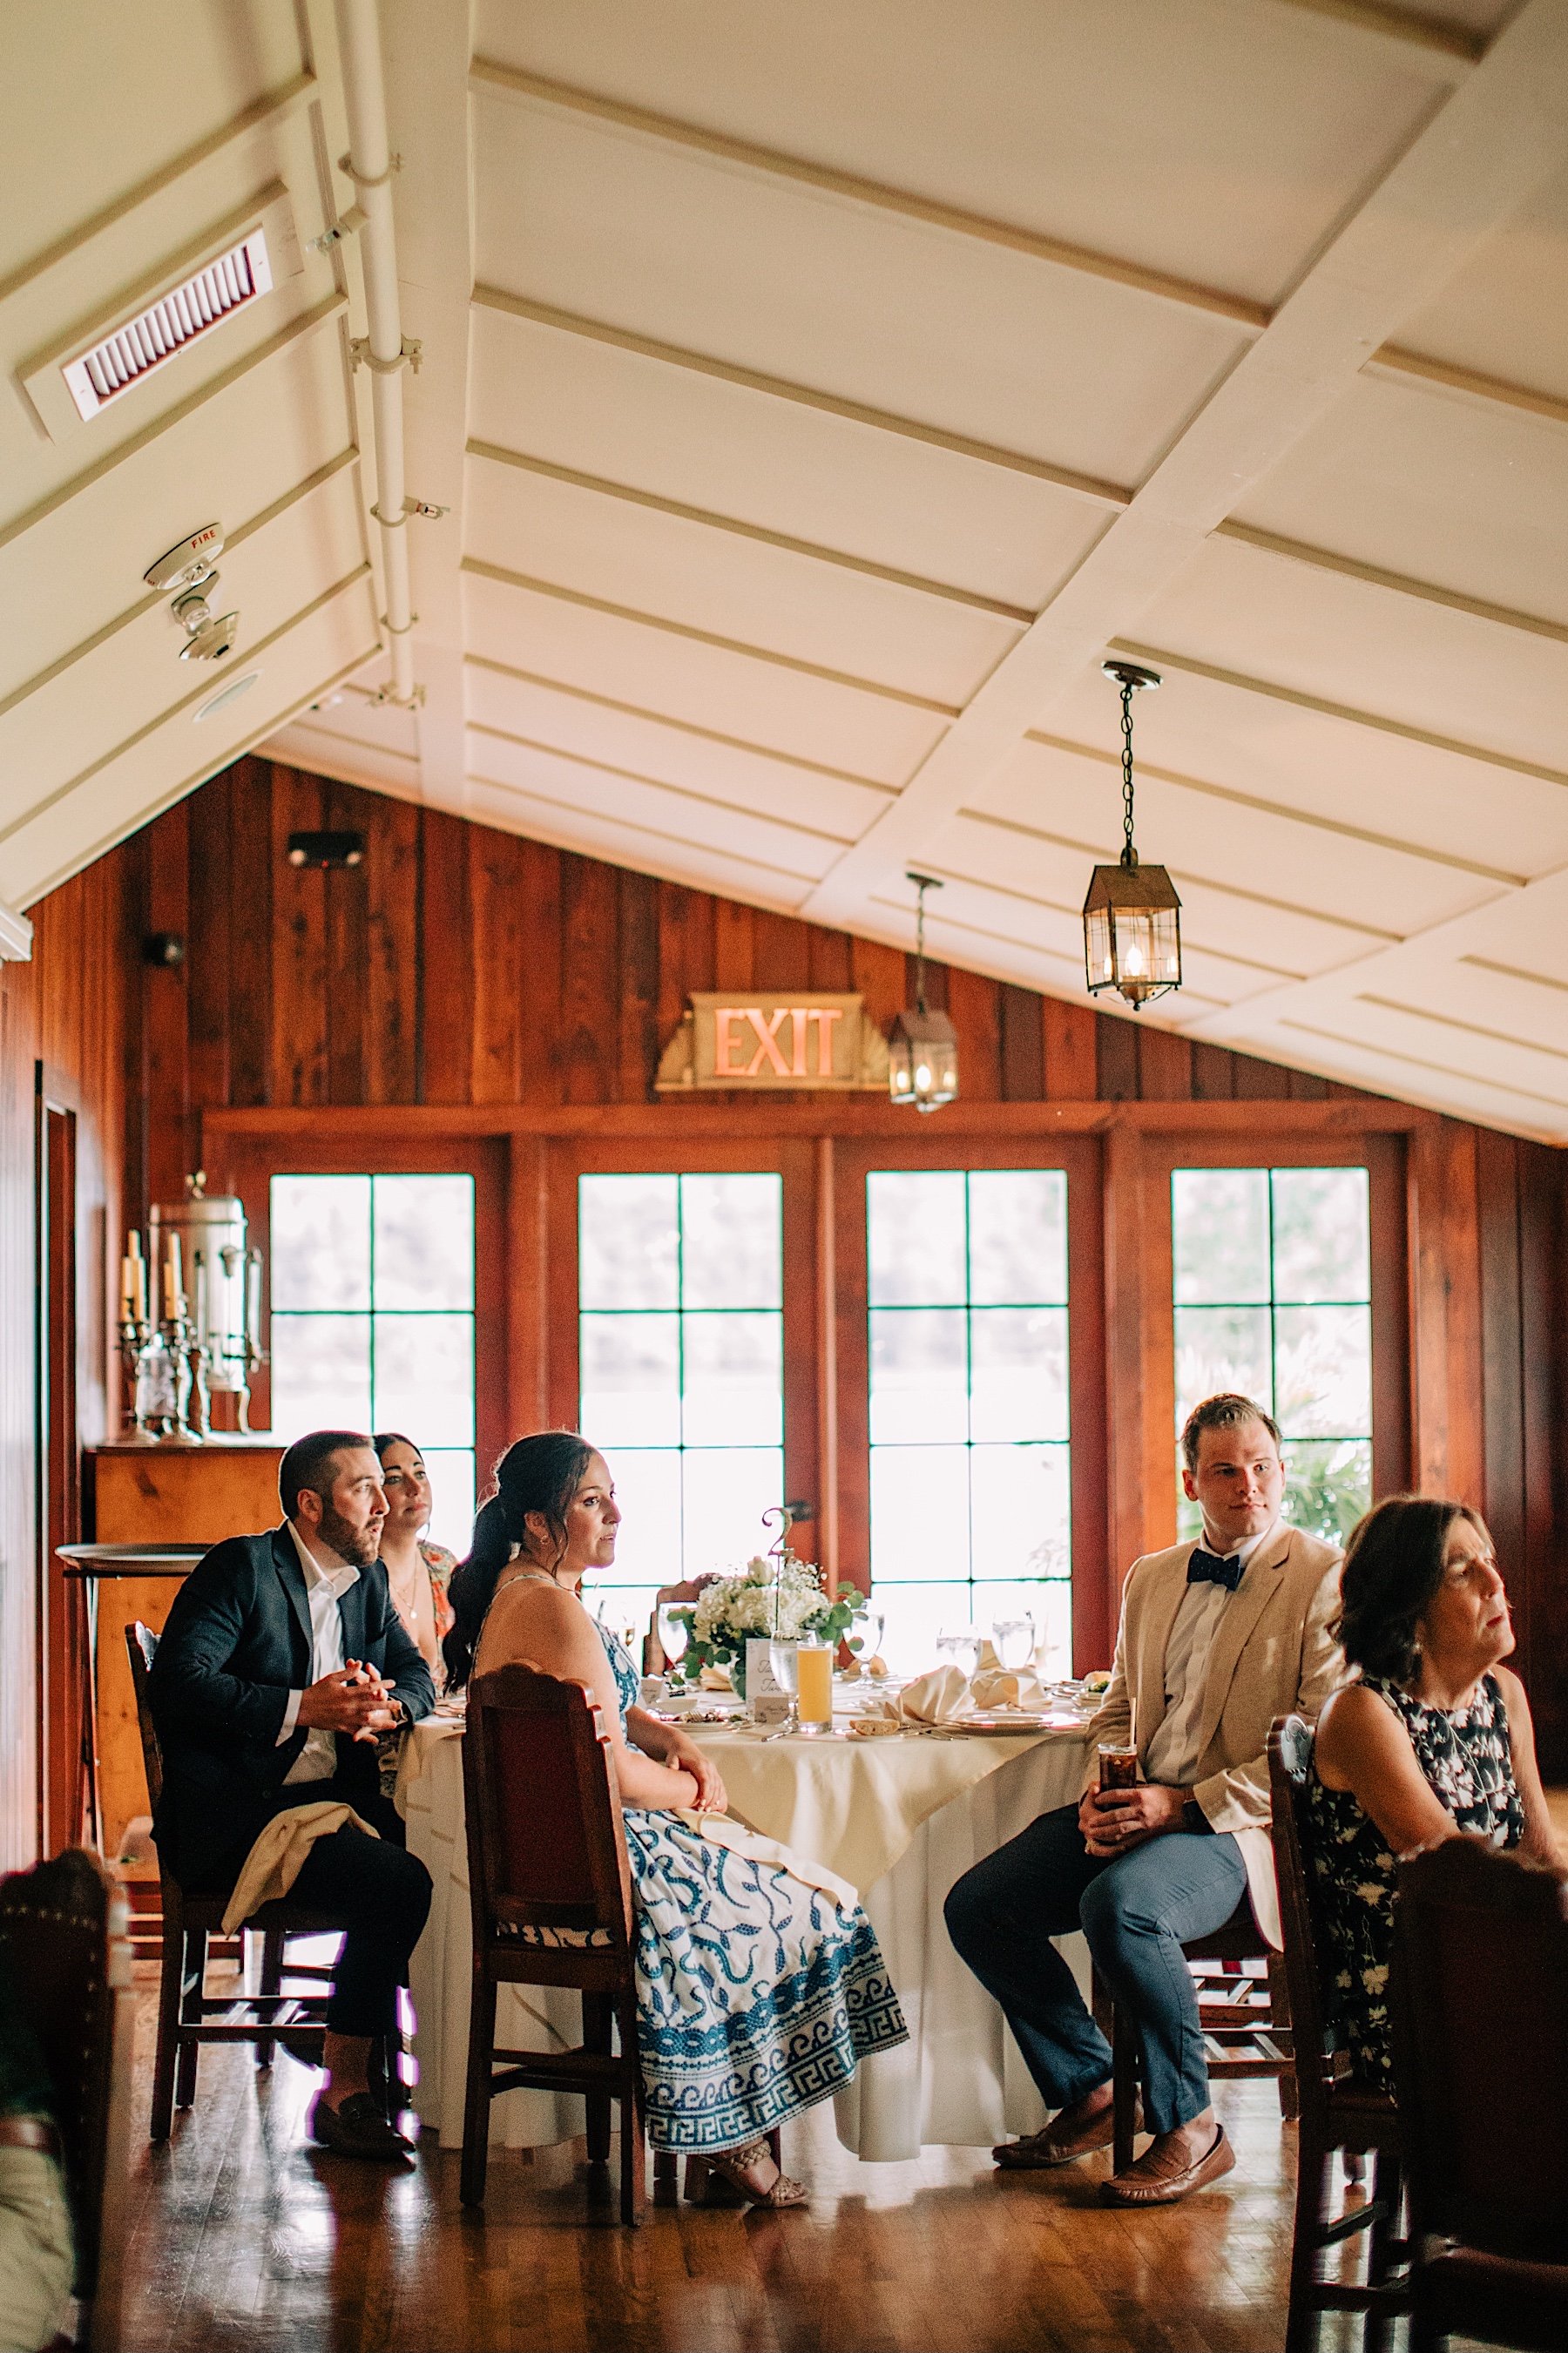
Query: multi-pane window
(373,1321)
(970,1514)
(1273,1288)
(680,1281)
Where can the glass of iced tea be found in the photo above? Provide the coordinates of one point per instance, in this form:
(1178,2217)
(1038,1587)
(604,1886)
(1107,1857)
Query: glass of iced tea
(1118,1766)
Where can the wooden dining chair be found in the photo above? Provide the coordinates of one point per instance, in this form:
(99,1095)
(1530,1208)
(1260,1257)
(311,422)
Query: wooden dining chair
(1335,2114)
(63,1925)
(551,1891)
(187,2016)
(1480,2046)
(1245,2017)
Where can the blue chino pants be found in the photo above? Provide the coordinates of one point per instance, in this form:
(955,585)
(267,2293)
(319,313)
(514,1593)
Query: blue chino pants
(1137,1911)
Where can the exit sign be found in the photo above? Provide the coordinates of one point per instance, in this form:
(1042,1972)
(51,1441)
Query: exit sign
(802,1039)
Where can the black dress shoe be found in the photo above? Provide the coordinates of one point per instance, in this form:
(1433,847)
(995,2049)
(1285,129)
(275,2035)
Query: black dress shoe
(356,2127)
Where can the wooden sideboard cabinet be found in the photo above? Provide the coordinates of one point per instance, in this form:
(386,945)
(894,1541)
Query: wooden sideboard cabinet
(158,1494)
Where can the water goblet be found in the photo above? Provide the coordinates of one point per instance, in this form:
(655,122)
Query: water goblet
(674,1632)
(1014,1641)
(960,1646)
(784,1657)
(865,1634)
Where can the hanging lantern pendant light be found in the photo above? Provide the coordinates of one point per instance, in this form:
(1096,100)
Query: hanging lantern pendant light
(922,1046)
(1132,917)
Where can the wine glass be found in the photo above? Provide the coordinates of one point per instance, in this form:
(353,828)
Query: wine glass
(784,1657)
(1014,1641)
(865,1634)
(674,1632)
(960,1646)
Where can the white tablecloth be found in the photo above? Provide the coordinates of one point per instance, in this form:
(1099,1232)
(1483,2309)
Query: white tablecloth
(959,2080)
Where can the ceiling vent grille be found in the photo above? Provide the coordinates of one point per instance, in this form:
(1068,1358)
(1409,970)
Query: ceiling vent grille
(193,309)
(127,339)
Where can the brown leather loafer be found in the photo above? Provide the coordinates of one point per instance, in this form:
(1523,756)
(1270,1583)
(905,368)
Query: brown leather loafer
(1038,2152)
(357,2127)
(1163,2175)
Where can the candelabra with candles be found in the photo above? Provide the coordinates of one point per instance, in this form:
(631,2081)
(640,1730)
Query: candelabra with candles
(205,1341)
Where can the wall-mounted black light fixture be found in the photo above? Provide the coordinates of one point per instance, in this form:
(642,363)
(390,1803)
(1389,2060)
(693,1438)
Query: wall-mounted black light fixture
(326,849)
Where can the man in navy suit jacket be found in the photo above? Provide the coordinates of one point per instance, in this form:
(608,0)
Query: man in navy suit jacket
(282,1659)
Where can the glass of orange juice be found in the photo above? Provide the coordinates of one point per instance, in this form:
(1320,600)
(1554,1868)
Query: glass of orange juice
(814,1695)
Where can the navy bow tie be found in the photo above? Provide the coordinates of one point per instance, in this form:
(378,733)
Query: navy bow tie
(1207,1569)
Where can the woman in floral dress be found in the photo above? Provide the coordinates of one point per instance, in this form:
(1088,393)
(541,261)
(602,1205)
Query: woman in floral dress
(760,1984)
(1434,1741)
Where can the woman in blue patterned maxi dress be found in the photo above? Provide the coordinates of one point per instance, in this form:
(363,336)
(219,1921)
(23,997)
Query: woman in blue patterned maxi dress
(759,1991)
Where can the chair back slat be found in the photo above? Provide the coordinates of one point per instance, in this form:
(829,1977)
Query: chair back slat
(1480,2020)
(142,1649)
(1289,1762)
(546,1848)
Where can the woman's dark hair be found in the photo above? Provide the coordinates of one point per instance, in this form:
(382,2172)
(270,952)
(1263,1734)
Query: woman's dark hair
(1393,1566)
(537,1474)
(384,1439)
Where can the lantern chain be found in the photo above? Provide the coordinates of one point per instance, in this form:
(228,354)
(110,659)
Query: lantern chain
(1129,855)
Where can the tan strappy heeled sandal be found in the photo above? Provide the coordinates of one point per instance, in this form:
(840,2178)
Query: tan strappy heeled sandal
(731,2165)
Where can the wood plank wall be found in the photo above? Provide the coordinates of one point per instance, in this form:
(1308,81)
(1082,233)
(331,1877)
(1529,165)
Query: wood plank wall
(461,965)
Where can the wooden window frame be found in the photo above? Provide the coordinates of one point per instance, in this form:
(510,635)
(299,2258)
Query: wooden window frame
(1383,1156)
(1079,1159)
(250,1163)
(663,1154)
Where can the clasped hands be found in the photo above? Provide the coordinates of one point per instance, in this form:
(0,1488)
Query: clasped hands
(355,1699)
(1113,1821)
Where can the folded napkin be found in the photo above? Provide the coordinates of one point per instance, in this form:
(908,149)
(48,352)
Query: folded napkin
(715,1679)
(936,1697)
(275,1859)
(1002,1687)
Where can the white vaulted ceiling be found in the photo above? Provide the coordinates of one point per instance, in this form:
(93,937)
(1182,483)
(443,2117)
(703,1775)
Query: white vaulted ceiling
(820,390)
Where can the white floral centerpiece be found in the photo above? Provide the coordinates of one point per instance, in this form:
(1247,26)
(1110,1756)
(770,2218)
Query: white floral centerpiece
(768,1597)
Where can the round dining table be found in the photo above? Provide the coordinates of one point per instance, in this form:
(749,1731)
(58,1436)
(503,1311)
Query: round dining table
(902,1817)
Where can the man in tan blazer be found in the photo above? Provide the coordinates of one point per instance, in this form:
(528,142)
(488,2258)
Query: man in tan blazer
(1217,1638)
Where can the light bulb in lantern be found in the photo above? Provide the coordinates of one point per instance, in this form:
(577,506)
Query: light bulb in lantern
(1135,960)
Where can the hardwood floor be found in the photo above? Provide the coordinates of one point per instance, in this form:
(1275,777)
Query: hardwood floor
(244,2240)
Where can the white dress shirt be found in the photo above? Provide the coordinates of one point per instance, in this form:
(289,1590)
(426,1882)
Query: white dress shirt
(1172,1755)
(324,1589)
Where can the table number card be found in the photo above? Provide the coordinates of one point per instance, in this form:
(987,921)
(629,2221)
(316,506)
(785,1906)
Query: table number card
(761,1680)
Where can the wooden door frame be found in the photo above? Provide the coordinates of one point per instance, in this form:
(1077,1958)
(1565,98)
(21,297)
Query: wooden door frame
(61,1670)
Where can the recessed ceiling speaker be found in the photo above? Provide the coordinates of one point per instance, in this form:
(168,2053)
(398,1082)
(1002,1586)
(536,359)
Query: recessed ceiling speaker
(225,696)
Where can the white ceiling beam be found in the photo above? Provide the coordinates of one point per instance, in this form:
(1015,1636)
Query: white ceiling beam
(477,570)
(15,936)
(492,454)
(1486,391)
(1114,496)
(1449,49)
(1400,845)
(768,163)
(427,46)
(1398,584)
(1382,967)
(786,760)
(1497,139)
(1160,659)
(268,112)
